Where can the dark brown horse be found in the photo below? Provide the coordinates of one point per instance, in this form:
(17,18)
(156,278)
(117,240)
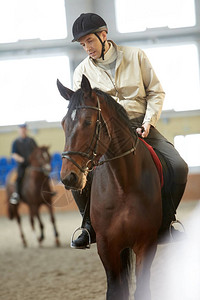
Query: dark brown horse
(36,191)
(125,207)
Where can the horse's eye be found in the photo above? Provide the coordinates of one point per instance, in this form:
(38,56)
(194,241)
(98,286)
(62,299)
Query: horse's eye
(87,123)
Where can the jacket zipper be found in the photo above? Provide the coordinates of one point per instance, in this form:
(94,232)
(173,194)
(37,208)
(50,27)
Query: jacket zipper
(116,91)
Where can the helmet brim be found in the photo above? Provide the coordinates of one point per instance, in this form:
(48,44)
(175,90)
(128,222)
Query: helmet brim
(103,28)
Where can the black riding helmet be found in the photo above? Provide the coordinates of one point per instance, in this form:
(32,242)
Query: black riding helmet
(89,23)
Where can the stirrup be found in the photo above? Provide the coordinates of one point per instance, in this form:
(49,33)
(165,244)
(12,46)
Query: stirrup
(14,198)
(171,226)
(82,229)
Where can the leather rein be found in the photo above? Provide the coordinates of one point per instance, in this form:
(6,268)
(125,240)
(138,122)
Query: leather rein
(96,136)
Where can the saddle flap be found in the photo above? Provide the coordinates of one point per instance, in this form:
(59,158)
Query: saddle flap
(156,161)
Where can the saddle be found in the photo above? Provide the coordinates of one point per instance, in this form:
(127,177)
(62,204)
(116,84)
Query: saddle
(166,178)
(156,160)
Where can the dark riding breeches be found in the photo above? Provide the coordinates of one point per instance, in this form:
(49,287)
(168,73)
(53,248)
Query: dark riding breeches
(20,175)
(160,143)
(178,165)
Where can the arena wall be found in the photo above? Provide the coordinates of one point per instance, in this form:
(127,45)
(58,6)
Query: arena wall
(63,200)
(51,134)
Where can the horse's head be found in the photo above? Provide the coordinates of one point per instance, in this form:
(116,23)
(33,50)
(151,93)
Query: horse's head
(86,134)
(40,158)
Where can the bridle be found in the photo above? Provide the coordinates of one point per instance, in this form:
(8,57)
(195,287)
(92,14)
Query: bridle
(96,136)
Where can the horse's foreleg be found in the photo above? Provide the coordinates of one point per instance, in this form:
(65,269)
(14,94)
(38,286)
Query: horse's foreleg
(117,284)
(54,225)
(144,259)
(20,228)
(41,238)
(32,220)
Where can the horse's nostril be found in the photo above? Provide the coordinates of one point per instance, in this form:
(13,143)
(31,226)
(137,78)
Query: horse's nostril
(70,180)
(73,177)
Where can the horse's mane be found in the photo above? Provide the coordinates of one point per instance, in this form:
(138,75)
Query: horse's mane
(77,100)
(119,109)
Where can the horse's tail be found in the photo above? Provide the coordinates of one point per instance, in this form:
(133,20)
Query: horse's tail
(127,267)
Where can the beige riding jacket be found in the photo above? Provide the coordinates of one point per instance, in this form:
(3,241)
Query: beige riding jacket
(135,86)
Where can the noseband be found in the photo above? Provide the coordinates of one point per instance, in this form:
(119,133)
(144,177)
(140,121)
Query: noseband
(96,136)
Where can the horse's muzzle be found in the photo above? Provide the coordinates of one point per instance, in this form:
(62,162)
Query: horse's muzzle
(70,181)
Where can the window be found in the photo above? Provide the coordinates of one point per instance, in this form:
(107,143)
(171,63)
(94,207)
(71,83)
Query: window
(138,15)
(32,19)
(177,68)
(28,89)
(188,146)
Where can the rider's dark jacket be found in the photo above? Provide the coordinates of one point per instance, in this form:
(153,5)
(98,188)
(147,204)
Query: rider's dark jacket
(24,147)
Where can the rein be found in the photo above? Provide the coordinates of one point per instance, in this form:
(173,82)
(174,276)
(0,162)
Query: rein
(86,169)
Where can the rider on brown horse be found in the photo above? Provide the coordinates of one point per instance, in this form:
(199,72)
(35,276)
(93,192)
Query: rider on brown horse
(126,74)
(22,147)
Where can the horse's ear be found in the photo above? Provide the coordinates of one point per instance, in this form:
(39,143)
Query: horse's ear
(85,86)
(65,92)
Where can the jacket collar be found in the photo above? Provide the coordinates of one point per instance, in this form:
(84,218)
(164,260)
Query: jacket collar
(119,55)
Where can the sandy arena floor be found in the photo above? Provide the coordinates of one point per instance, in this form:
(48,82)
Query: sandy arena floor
(50,273)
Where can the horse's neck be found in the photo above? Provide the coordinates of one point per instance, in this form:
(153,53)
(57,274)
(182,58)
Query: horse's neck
(122,140)
(123,170)
(35,170)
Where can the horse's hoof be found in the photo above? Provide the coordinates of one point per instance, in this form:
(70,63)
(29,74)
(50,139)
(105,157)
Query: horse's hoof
(40,240)
(25,244)
(57,243)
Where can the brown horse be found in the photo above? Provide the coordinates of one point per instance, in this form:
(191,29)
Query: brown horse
(125,209)
(36,191)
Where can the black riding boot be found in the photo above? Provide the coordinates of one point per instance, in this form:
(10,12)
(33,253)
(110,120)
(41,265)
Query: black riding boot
(177,192)
(82,200)
(170,203)
(16,195)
